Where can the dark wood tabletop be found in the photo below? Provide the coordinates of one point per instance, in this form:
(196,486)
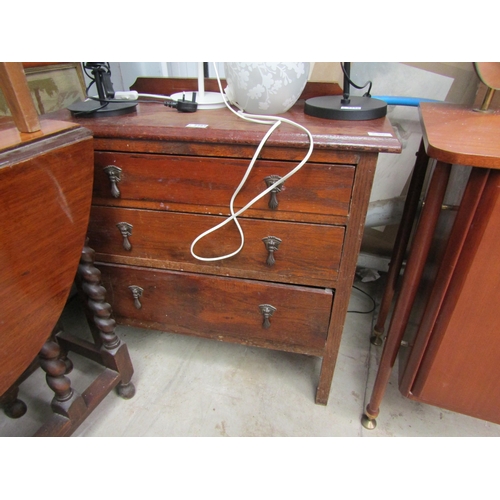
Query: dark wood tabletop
(154,121)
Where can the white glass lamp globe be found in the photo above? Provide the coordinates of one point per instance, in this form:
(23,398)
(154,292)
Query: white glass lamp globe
(265,88)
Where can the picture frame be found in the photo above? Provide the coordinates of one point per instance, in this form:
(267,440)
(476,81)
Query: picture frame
(53,85)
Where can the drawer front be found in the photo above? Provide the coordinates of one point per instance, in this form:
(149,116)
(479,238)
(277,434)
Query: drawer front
(245,311)
(276,251)
(207,184)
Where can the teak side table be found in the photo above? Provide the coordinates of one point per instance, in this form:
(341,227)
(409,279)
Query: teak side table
(455,352)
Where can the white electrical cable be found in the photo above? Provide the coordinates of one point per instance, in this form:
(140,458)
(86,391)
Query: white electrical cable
(275,122)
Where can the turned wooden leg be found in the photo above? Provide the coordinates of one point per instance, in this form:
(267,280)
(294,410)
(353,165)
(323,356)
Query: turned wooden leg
(113,352)
(411,279)
(66,402)
(401,244)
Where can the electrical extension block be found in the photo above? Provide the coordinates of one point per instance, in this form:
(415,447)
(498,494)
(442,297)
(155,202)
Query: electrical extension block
(131,95)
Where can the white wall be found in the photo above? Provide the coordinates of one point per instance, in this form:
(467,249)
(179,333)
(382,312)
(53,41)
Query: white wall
(399,79)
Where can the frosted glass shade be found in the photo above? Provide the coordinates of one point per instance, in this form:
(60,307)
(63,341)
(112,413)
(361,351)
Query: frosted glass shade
(265,87)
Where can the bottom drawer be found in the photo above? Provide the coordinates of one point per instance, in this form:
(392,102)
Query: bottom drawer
(228,309)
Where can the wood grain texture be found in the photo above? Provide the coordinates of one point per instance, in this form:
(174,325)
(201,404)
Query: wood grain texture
(177,181)
(221,308)
(308,254)
(460,368)
(155,122)
(45,194)
(460,135)
(453,360)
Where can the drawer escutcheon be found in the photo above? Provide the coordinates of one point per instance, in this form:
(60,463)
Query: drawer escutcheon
(267,310)
(126,231)
(136,294)
(273,200)
(272,244)
(115,176)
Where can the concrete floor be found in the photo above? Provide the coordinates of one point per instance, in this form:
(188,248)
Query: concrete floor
(195,387)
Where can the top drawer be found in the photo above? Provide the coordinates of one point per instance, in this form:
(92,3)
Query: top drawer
(205,185)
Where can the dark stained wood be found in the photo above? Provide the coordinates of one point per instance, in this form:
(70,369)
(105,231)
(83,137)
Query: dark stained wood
(174,176)
(221,308)
(401,244)
(165,86)
(155,122)
(308,254)
(365,172)
(46,179)
(70,407)
(178,180)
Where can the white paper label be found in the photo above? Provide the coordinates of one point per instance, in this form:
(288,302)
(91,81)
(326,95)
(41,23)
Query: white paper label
(380,134)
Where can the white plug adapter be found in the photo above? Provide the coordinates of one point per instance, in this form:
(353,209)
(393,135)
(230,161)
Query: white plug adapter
(130,95)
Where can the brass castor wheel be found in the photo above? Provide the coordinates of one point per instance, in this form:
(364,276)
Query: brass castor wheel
(368,423)
(126,391)
(376,340)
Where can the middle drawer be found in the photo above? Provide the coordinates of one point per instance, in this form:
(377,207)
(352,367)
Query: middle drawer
(287,252)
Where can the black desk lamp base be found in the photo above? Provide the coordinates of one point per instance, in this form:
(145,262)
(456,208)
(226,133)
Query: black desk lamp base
(95,108)
(337,107)
(103,105)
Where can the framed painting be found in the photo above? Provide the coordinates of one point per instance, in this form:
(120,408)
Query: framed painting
(53,86)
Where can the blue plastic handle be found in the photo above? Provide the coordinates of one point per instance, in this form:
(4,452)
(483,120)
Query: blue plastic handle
(402,101)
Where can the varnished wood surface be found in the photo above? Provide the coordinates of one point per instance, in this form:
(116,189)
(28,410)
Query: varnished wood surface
(11,138)
(221,308)
(460,369)
(453,361)
(187,172)
(45,194)
(308,254)
(205,185)
(155,122)
(461,135)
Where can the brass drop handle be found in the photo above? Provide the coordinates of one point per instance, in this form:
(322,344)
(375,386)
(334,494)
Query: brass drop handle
(115,176)
(126,231)
(267,310)
(273,200)
(272,244)
(136,294)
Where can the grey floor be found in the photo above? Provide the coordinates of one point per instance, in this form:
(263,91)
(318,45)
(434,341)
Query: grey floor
(191,387)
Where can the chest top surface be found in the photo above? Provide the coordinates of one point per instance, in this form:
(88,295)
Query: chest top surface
(155,122)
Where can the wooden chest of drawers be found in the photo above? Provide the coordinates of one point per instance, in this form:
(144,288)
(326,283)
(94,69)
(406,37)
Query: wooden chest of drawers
(162,178)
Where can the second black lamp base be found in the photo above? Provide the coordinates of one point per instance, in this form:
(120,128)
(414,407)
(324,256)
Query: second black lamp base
(336,107)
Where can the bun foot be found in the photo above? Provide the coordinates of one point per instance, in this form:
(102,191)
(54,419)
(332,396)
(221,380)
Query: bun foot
(16,409)
(126,391)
